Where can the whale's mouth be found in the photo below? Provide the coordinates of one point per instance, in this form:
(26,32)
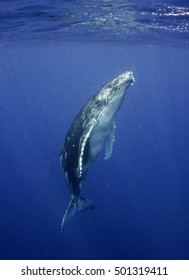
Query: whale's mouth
(131,78)
(133,81)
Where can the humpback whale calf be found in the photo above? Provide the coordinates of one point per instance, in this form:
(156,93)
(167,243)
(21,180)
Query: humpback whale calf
(92,128)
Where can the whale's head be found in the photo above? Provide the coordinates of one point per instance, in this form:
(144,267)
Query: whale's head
(121,83)
(108,100)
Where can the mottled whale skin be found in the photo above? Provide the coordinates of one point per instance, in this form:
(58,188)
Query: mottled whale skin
(92,128)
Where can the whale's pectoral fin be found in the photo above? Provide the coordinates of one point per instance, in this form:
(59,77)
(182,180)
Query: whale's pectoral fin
(79,205)
(84,150)
(110,141)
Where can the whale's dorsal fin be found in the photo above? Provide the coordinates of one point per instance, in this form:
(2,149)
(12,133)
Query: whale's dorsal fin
(110,141)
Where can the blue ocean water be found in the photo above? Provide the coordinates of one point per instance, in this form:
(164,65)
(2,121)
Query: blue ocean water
(53,56)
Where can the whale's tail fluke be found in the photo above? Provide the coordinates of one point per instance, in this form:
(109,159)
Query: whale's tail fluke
(76,205)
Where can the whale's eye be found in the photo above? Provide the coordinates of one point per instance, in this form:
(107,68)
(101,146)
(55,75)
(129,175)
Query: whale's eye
(97,103)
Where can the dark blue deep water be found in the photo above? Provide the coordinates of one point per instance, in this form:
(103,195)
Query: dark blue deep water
(53,56)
